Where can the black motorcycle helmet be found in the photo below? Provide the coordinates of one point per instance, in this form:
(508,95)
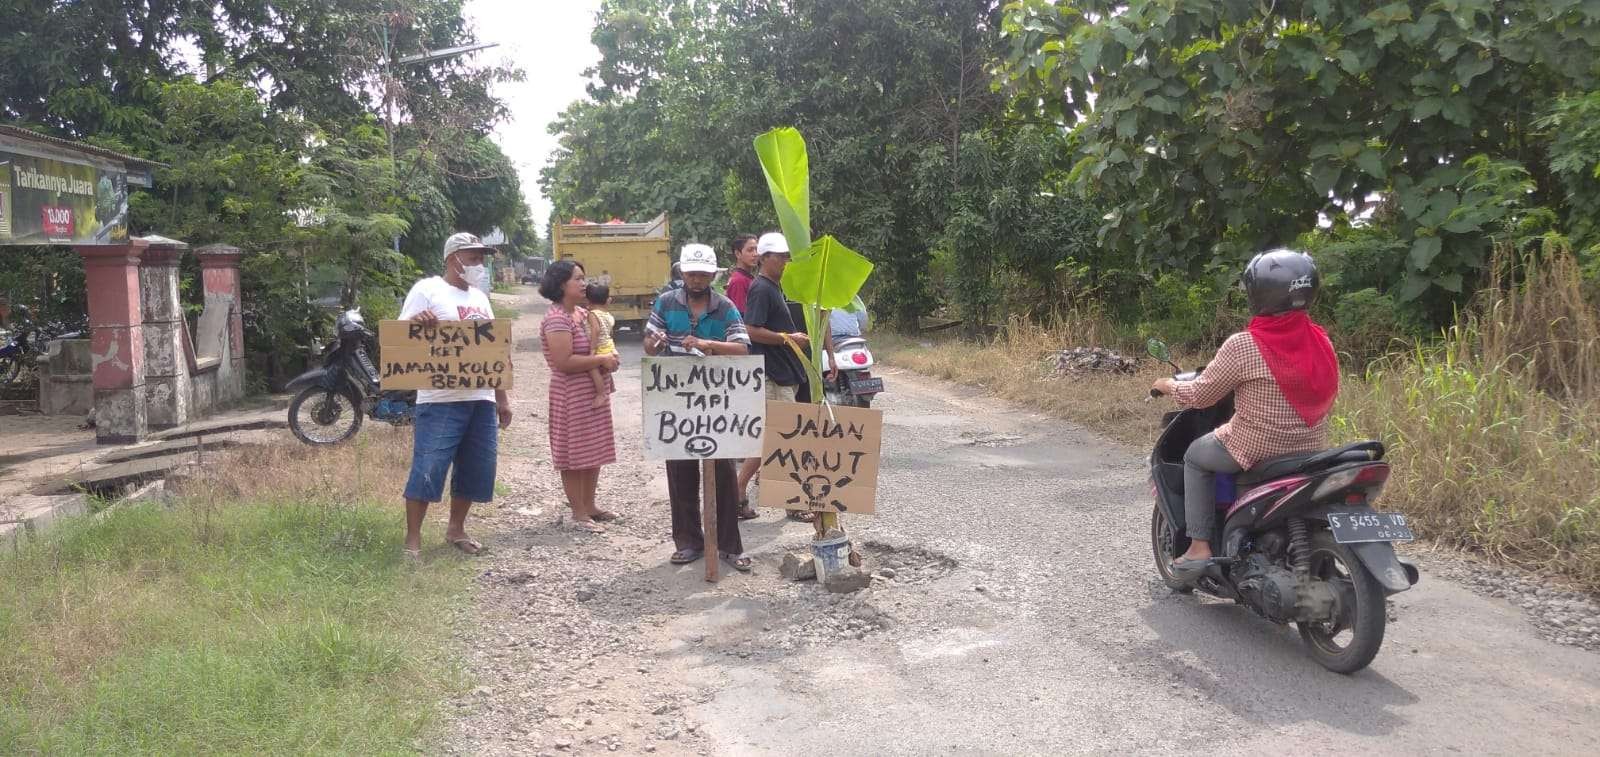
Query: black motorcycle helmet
(1281,280)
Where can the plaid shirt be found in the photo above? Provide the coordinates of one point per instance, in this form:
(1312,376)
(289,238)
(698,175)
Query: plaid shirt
(672,318)
(1264,424)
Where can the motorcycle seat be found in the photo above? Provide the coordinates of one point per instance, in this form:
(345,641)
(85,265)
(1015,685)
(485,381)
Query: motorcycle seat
(1310,462)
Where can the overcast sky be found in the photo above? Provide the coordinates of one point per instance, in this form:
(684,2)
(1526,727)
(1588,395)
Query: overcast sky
(549,40)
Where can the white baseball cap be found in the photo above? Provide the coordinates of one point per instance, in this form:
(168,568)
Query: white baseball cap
(697,258)
(465,241)
(772,241)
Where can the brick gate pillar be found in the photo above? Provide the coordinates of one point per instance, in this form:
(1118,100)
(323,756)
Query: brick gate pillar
(167,381)
(219,269)
(116,340)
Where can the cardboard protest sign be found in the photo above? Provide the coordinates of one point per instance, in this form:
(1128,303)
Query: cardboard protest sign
(819,458)
(702,408)
(447,355)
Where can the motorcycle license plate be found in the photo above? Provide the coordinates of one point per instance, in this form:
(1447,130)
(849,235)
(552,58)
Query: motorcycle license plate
(866,386)
(1349,528)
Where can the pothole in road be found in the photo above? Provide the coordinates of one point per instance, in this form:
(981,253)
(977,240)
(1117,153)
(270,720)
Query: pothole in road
(904,565)
(989,439)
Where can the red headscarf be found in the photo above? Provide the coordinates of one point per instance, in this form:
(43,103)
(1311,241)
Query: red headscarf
(1301,360)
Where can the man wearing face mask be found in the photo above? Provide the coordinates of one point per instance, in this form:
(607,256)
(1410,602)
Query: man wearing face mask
(454,428)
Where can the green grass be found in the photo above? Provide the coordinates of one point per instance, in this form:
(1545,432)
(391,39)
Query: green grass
(252,628)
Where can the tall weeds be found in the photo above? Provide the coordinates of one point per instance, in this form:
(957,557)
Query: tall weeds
(1494,428)
(1495,431)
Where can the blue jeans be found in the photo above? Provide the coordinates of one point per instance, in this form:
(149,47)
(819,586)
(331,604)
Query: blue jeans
(463,435)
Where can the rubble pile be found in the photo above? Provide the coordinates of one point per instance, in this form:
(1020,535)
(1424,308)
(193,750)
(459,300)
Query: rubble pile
(1079,360)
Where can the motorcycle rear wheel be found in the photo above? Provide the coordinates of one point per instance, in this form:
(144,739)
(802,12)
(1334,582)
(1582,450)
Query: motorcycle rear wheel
(322,421)
(1362,624)
(1161,537)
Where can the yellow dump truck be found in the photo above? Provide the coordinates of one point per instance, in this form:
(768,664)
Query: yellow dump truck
(634,259)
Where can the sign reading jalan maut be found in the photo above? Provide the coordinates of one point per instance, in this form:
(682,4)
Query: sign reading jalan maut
(817,457)
(703,408)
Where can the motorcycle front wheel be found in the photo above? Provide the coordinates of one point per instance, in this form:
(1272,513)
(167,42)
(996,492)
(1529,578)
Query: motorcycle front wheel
(10,368)
(323,416)
(1349,641)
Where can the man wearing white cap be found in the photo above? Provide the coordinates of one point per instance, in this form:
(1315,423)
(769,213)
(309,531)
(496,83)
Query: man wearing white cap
(454,428)
(772,329)
(687,321)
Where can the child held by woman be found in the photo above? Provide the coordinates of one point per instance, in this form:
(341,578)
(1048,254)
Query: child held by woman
(601,324)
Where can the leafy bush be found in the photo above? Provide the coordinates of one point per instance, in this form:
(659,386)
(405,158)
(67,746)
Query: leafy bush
(1366,324)
(1186,311)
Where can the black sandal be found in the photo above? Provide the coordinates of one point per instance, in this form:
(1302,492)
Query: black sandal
(746,512)
(685,556)
(739,562)
(802,516)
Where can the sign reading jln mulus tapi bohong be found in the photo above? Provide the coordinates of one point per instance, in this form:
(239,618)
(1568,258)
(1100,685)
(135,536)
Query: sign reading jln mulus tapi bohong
(703,408)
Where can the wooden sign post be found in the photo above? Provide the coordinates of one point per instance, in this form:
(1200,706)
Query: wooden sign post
(706,409)
(446,355)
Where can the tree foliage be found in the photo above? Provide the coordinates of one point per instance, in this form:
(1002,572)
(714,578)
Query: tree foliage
(683,87)
(1218,127)
(275,118)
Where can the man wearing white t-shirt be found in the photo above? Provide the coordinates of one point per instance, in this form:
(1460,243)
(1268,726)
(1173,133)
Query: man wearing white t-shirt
(454,427)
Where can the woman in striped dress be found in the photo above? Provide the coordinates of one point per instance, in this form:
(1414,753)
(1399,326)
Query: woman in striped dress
(580,432)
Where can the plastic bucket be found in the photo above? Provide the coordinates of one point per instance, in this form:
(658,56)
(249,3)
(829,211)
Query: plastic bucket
(831,555)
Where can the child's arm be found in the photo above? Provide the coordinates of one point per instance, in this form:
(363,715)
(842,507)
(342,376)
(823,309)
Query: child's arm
(594,329)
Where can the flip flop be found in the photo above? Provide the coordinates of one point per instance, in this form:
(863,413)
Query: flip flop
(802,516)
(1184,569)
(467,545)
(746,512)
(739,562)
(588,527)
(412,556)
(605,516)
(685,556)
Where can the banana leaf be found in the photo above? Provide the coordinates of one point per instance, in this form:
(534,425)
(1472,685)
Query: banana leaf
(787,168)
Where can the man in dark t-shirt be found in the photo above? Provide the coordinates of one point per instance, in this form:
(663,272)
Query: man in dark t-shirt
(772,328)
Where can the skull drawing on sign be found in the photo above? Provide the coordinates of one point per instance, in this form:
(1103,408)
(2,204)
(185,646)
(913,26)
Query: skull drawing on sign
(816,489)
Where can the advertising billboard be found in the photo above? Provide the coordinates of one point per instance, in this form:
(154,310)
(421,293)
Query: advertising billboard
(45,201)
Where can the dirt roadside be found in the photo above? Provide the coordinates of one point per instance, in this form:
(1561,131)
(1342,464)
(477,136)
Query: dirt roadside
(1017,613)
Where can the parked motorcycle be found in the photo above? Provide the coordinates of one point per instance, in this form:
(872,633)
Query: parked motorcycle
(330,402)
(853,384)
(1300,541)
(27,340)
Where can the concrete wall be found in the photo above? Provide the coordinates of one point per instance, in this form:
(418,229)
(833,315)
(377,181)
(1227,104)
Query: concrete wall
(145,369)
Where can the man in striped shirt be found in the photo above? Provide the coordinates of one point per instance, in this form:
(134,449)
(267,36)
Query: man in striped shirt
(697,321)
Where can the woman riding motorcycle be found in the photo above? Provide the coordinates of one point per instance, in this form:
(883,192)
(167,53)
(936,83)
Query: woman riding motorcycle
(1284,376)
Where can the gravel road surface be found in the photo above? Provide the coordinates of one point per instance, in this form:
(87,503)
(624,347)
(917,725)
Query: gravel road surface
(1015,612)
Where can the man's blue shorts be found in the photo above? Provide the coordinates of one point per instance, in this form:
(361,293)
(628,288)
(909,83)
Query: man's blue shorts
(465,434)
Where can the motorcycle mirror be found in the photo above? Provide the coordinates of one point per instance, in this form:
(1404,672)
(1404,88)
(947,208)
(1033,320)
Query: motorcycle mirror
(1158,350)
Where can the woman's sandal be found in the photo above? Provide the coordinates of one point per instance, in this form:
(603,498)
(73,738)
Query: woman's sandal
(746,512)
(739,562)
(467,545)
(685,556)
(588,527)
(1185,569)
(606,516)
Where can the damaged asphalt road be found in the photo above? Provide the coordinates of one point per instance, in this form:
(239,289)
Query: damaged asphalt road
(1015,610)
